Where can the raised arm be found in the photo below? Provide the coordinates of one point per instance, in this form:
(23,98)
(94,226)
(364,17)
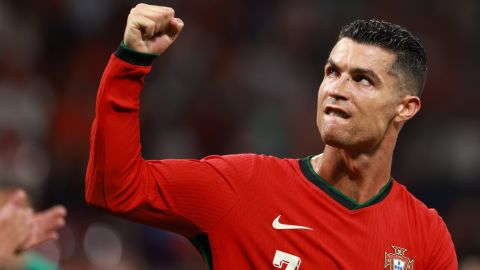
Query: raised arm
(185,196)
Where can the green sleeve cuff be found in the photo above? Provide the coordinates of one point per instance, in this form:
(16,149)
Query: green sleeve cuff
(133,57)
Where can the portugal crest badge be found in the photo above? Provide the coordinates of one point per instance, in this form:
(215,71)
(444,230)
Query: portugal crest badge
(398,260)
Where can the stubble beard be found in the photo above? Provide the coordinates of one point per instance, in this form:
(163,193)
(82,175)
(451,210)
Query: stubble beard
(350,138)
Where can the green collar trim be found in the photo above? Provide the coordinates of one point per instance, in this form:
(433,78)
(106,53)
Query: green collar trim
(312,176)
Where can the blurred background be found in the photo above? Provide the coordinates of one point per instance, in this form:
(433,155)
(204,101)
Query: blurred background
(242,77)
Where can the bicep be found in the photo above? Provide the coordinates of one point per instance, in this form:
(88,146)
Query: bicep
(197,191)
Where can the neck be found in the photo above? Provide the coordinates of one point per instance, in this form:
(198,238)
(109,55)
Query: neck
(360,176)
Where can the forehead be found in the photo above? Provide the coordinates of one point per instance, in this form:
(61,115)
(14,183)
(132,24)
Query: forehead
(349,54)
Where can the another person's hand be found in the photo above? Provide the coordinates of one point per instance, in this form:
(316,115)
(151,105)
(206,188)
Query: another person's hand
(151,29)
(45,225)
(16,222)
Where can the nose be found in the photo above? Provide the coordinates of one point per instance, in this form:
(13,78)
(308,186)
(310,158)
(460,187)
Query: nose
(340,90)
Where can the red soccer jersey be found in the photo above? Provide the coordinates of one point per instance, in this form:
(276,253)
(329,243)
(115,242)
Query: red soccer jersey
(251,211)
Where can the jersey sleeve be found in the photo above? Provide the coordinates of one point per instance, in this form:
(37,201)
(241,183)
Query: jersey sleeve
(441,249)
(179,195)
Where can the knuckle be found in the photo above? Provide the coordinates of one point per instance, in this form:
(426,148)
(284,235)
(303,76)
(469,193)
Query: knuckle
(138,8)
(168,11)
(131,17)
(133,11)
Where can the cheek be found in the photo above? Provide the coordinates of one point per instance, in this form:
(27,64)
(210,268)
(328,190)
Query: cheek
(382,117)
(321,90)
(320,97)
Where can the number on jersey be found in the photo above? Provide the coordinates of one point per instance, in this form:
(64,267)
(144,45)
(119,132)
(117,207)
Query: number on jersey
(281,258)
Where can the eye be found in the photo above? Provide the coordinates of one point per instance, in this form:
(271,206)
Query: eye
(330,71)
(363,80)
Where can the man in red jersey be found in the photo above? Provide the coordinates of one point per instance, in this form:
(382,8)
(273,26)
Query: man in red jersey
(337,210)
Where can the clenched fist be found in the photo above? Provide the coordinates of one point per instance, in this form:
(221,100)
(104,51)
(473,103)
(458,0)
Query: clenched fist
(151,29)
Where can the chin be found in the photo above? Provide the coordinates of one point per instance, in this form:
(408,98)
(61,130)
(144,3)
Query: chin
(337,144)
(350,143)
(335,139)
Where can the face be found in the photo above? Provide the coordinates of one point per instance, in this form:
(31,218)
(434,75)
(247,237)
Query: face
(359,98)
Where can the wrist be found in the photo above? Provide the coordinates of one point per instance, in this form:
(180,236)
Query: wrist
(134,57)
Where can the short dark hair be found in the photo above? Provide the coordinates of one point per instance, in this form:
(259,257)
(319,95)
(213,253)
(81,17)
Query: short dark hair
(410,60)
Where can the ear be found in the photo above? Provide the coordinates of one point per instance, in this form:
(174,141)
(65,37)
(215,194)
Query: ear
(408,107)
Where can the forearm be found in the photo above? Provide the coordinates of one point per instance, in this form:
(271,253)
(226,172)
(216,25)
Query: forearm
(115,162)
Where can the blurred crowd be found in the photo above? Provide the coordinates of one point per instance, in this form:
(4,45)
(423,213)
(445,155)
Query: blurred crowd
(242,77)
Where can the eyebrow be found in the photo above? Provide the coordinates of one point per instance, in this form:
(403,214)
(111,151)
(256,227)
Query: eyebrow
(370,73)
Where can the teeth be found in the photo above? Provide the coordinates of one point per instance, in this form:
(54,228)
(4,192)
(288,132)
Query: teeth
(337,113)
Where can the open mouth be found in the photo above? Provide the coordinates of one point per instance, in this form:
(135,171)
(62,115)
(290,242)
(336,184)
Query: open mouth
(336,112)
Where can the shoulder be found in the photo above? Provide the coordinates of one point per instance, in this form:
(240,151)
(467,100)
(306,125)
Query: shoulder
(250,163)
(438,245)
(250,159)
(416,208)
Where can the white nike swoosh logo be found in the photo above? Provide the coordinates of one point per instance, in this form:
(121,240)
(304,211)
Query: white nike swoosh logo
(280,226)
